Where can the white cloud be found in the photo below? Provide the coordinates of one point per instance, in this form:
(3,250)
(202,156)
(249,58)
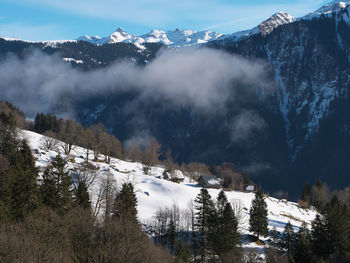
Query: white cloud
(202,78)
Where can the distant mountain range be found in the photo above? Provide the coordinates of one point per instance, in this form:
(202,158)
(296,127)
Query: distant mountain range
(187,37)
(307,110)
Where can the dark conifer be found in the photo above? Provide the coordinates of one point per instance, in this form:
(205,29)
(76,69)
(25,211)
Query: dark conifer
(306,193)
(82,198)
(125,203)
(288,240)
(320,238)
(258,216)
(205,212)
(56,186)
(230,235)
(303,251)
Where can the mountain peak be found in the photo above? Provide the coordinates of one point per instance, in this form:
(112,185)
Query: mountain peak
(329,8)
(174,38)
(264,28)
(120,30)
(276,20)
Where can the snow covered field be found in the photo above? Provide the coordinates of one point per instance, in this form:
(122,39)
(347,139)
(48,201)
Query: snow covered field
(154,193)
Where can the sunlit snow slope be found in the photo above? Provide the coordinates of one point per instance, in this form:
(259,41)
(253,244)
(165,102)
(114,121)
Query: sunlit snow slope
(154,193)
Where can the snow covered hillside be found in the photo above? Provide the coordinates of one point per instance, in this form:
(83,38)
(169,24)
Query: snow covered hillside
(154,193)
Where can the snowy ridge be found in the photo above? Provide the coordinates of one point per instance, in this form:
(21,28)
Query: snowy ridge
(265,28)
(328,9)
(154,193)
(47,43)
(175,38)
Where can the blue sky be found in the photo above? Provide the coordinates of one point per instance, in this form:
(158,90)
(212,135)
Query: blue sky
(69,19)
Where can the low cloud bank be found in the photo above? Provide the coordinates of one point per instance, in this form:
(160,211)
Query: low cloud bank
(201,77)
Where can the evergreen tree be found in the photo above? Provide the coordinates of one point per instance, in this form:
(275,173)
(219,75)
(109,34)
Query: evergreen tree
(320,237)
(226,236)
(56,186)
(23,188)
(338,227)
(306,193)
(288,239)
(230,236)
(303,251)
(82,198)
(18,178)
(219,221)
(330,230)
(125,203)
(205,213)
(220,208)
(275,235)
(258,215)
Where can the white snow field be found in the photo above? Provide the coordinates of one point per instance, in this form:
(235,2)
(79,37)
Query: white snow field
(154,193)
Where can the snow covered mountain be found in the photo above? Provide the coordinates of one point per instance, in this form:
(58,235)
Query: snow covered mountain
(175,38)
(328,9)
(154,193)
(264,28)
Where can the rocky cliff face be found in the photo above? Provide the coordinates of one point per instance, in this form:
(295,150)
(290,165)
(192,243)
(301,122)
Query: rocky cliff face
(310,63)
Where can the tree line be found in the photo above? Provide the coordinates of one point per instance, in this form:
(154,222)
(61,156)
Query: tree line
(97,140)
(206,232)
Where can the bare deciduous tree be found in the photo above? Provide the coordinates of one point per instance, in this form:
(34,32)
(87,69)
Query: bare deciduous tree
(150,155)
(87,140)
(195,170)
(133,151)
(49,142)
(106,193)
(237,208)
(69,132)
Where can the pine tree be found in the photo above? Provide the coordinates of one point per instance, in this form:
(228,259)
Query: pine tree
(275,235)
(56,186)
(330,230)
(226,236)
(303,251)
(125,203)
(288,239)
(230,234)
(18,178)
(306,193)
(338,230)
(218,238)
(82,198)
(205,213)
(220,207)
(258,216)
(320,237)
(23,188)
